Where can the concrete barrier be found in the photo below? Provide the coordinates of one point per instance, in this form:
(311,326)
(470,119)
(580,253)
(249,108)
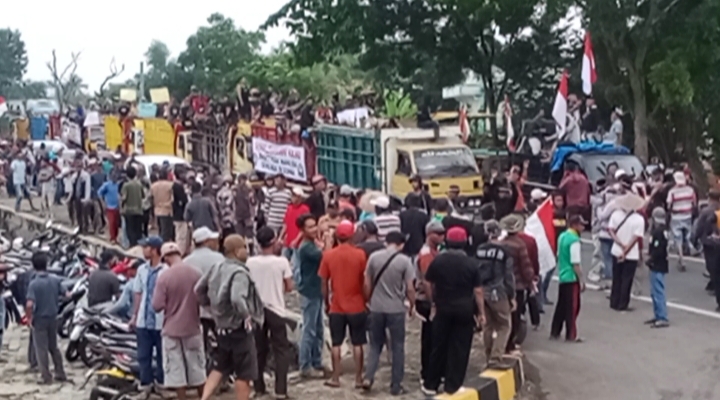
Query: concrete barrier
(493,384)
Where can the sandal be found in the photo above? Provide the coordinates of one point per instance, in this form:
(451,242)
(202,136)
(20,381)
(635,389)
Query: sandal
(332,384)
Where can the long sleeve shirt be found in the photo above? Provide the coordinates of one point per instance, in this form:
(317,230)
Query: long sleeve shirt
(524,272)
(224,288)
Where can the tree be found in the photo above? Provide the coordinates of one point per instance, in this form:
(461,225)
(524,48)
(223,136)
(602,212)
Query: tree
(217,55)
(26,90)
(65,81)
(447,37)
(114,73)
(13,58)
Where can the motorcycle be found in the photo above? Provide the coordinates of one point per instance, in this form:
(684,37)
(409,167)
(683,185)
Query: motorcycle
(117,377)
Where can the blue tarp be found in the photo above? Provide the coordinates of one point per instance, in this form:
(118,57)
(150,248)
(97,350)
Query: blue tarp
(38,128)
(565,150)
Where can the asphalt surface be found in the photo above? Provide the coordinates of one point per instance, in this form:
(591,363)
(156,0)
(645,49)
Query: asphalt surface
(622,358)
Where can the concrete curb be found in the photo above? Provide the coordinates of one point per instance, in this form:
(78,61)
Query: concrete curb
(493,384)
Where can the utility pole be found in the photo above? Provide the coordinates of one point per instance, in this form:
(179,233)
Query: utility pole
(142,82)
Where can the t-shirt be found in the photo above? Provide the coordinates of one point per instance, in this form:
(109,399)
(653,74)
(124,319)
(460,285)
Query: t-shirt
(103,284)
(569,254)
(19,171)
(658,251)
(269,274)
(633,227)
(108,192)
(344,266)
(425,257)
(132,195)
(370,247)
(681,201)
(454,276)
(387,223)
(180,201)
(276,203)
(390,290)
(175,295)
(162,194)
(291,215)
(45,290)
(413,222)
(309,256)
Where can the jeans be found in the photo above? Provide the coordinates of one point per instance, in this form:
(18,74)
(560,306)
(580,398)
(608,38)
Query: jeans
(607,258)
(379,324)
(21,192)
(147,341)
(311,340)
(657,292)
(59,190)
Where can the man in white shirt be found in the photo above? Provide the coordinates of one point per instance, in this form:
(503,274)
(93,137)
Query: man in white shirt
(681,203)
(626,227)
(273,278)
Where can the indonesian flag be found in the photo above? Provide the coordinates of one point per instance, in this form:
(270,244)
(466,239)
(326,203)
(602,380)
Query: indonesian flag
(589,74)
(510,131)
(463,121)
(559,112)
(3,106)
(540,226)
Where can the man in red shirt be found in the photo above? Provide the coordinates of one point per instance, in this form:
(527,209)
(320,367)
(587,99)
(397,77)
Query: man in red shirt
(290,231)
(342,270)
(576,187)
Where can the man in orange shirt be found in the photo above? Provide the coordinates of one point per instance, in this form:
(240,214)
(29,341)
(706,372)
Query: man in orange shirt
(342,270)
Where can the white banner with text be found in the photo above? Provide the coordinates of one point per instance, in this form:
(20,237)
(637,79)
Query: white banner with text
(273,158)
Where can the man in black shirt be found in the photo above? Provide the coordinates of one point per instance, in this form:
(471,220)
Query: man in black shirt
(454,287)
(316,200)
(412,224)
(180,201)
(368,240)
(103,284)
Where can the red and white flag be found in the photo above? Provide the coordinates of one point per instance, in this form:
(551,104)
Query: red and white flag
(589,74)
(540,226)
(509,130)
(463,121)
(3,106)
(559,112)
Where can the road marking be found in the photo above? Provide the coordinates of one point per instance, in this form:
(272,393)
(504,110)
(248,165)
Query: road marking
(670,304)
(700,260)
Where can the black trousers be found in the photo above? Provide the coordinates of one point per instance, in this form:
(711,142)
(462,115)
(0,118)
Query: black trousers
(166,228)
(712,263)
(452,333)
(134,228)
(516,319)
(423,308)
(567,310)
(533,307)
(622,280)
(273,334)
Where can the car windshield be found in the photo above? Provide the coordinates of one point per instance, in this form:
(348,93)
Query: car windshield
(595,166)
(445,162)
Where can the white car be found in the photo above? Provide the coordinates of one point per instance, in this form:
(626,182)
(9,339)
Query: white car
(55,146)
(147,161)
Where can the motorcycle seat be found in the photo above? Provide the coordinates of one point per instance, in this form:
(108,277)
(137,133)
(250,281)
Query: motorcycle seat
(120,336)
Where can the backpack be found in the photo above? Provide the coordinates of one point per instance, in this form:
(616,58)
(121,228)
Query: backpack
(256,308)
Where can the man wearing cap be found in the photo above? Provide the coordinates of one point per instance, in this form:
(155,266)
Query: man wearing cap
(388,283)
(412,224)
(203,257)
(342,270)
(434,238)
(182,340)
(290,230)
(513,224)
(454,288)
(681,203)
(148,323)
(276,202)
(498,277)
(571,280)
(385,220)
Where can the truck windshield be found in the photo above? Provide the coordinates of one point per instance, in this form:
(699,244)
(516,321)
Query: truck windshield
(445,162)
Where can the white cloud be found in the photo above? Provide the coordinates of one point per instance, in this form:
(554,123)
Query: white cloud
(123,30)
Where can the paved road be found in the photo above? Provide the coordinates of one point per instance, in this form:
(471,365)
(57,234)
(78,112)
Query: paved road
(625,360)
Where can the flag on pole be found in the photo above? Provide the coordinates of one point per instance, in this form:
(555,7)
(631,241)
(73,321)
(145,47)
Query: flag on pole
(589,74)
(463,121)
(509,130)
(3,106)
(559,112)
(540,226)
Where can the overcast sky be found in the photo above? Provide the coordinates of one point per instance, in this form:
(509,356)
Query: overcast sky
(122,30)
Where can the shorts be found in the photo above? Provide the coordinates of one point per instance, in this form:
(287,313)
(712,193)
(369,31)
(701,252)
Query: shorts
(236,354)
(183,361)
(676,228)
(357,324)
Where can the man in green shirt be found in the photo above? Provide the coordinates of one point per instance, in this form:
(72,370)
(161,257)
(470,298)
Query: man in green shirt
(571,280)
(132,194)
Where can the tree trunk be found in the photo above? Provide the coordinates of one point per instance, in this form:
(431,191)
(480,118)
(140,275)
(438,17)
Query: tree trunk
(640,115)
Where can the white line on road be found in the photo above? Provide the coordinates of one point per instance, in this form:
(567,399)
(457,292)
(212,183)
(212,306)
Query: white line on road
(676,306)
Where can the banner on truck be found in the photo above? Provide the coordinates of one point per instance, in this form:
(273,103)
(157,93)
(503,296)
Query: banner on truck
(273,158)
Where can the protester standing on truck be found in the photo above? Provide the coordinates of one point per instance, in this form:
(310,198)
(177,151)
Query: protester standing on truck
(419,189)
(276,202)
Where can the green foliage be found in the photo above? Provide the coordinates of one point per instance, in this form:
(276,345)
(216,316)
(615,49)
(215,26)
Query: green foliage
(13,58)
(671,82)
(25,90)
(398,105)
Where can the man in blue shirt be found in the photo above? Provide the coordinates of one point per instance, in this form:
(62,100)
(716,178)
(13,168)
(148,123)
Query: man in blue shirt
(109,194)
(43,303)
(148,323)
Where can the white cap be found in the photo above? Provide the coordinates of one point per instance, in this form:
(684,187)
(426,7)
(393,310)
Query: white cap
(620,173)
(346,190)
(538,194)
(381,201)
(204,233)
(680,178)
(297,191)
